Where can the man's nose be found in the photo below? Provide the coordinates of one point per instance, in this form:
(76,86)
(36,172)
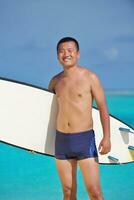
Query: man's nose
(66,53)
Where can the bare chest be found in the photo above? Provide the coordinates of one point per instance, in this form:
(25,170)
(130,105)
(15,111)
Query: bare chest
(72,89)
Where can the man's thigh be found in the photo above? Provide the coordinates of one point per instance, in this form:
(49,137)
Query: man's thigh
(67,171)
(90,172)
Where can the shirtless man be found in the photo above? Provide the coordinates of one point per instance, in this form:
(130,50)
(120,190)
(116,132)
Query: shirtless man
(75,88)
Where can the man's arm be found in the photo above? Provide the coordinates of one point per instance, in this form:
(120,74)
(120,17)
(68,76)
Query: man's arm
(51,86)
(99,97)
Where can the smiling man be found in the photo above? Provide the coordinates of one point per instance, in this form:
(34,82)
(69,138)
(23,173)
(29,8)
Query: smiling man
(75,88)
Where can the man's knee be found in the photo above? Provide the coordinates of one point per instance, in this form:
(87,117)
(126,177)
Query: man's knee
(95,193)
(69,191)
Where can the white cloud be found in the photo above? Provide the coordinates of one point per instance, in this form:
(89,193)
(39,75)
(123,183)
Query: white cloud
(111,53)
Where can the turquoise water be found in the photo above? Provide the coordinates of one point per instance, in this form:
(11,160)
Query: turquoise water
(27,176)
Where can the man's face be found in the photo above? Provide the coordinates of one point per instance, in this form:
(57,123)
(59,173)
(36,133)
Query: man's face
(68,54)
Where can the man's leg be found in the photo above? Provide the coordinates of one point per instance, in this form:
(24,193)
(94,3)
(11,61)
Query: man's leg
(90,172)
(67,170)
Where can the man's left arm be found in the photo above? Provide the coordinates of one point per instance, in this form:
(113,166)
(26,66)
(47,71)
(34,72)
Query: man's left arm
(98,94)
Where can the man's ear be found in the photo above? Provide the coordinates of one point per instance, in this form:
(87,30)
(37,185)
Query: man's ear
(78,54)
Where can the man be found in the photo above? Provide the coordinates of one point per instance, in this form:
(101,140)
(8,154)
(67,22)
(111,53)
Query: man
(75,88)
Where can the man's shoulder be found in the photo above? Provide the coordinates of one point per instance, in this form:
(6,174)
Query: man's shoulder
(89,73)
(57,76)
(54,81)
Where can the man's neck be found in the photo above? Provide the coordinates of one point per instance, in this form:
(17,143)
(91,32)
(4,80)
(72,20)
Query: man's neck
(70,70)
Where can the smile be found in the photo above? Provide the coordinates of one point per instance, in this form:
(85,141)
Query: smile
(66,59)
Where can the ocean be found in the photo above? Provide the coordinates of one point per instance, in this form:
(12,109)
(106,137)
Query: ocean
(28,176)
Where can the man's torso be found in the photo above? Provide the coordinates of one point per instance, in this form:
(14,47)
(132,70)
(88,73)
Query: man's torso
(74,102)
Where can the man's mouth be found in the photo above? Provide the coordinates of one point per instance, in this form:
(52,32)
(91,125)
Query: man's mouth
(66,59)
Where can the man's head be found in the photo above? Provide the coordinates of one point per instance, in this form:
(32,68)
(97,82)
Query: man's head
(68,52)
(68,39)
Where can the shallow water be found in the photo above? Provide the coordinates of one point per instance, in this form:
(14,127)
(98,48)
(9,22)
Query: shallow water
(27,176)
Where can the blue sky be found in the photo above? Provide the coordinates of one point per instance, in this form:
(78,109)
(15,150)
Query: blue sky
(30,30)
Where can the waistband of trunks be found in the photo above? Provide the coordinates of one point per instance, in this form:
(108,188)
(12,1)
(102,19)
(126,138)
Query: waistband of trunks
(91,131)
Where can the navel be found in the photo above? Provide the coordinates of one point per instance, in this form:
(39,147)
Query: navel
(79,95)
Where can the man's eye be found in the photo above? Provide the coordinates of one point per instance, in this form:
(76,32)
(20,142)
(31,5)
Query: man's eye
(70,50)
(61,51)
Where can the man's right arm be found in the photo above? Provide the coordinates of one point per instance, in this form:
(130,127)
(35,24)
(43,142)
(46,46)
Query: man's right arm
(51,86)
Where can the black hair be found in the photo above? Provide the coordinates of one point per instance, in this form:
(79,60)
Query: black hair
(68,39)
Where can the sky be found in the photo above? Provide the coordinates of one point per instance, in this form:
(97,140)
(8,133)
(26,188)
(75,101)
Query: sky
(30,30)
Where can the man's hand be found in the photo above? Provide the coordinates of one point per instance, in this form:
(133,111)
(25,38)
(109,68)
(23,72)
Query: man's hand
(105,146)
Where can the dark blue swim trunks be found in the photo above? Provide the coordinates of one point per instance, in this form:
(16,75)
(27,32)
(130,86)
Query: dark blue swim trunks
(77,146)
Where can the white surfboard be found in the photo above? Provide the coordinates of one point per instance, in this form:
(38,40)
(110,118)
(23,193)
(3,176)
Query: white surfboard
(28,120)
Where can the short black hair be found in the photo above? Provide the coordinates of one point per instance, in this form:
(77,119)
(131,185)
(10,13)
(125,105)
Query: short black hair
(68,39)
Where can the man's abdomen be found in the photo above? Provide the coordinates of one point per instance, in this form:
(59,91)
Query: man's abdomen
(73,121)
